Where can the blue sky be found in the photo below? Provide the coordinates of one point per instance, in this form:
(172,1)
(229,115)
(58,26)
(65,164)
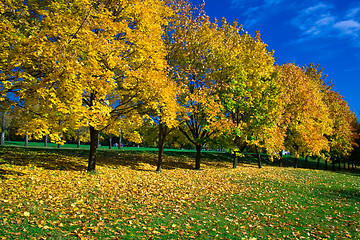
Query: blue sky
(303,32)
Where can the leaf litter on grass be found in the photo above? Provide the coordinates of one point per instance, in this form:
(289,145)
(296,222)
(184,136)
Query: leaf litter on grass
(40,198)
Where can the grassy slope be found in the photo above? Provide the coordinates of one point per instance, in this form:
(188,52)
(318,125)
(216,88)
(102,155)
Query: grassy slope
(47,193)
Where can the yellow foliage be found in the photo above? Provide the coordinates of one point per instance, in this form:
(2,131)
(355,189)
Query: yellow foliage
(77,63)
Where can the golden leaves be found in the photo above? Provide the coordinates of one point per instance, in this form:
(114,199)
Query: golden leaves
(125,199)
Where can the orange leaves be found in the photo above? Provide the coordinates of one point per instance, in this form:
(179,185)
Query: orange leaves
(306,116)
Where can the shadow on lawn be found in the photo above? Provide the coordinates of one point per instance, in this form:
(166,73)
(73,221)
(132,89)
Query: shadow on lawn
(76,159)
(172,159)
(5,173)
(53,159)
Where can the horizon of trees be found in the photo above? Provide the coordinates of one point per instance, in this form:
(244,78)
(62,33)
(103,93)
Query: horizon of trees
(159,71)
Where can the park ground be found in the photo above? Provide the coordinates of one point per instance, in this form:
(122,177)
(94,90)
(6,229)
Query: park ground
(46,193)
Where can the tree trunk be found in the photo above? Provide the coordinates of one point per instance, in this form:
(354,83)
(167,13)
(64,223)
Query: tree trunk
(236,157)
(79,138)
(339,165)
(94,140)
(326,165)
(318,163)
(258,156)
(161,145)
(235,162)
(110,140)
(46,138)
(160,157)
(281,159)
(296,162)
(59,145)
(26,140)
(198,157)
(333,165)
(306,161)
(2,141)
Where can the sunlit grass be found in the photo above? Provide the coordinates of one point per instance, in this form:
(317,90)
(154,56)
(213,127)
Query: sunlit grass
(47,193)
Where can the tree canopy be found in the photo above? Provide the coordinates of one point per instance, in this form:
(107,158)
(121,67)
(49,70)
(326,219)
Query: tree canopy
(111,65)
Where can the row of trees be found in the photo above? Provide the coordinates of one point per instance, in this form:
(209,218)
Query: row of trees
(140,66)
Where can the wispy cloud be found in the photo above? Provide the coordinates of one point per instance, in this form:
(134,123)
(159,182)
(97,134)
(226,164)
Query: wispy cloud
(353,12)
(351,27)
(253,10)
(322,21)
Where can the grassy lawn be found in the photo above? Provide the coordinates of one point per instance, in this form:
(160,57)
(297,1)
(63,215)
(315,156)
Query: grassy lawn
(46,194)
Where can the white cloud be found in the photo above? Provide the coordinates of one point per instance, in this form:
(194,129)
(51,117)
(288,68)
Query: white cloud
(353,12)
(350,27)
(321,21)
(318,7)
(253,10)
(325,21)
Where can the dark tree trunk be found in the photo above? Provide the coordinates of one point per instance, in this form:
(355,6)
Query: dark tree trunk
(280,159)
(235,162)
(339,165)
(2,141)
(326,165)
(161,145)
(198,157)
(236,157)
(110,140)
(318,163)
(59,145)
(333,165)
(46,139)
(306,161)
(296,162)
(94,140)
(258,156)
(79,138)
(26,140)
(160,156)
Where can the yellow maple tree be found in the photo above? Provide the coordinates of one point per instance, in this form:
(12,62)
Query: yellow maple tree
(86,63)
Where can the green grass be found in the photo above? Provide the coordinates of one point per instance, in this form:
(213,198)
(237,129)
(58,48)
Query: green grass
(46,194)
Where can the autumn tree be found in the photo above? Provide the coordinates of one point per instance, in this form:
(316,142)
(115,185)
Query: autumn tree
(88,63)
(343,134)
(248,89)
(305,115)
(189,39)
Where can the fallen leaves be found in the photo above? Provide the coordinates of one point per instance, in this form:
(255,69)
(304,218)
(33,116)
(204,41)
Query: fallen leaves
(218,202)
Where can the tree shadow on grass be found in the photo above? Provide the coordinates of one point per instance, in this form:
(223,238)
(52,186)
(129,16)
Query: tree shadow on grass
(76,159)
(135,160)
(52,159)
(4,174)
